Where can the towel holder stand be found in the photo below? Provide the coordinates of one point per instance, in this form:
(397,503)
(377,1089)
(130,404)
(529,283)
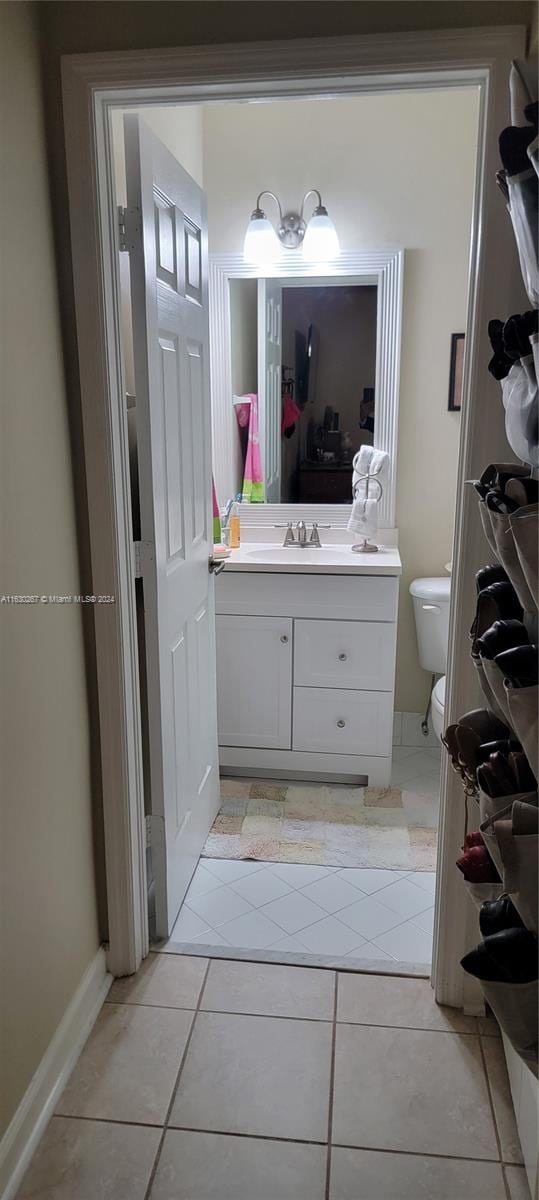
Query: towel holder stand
(366,547)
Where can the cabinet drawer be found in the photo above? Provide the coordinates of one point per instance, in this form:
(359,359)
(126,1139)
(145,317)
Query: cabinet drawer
(338,721)
(344,654)
(339,597)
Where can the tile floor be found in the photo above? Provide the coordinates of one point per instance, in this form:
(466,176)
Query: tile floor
(376,916)
(214,1080)
(383,916)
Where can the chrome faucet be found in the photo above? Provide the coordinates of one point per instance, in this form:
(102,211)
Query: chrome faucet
(301,530)
(300,537)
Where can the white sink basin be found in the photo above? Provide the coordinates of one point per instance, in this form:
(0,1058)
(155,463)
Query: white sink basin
(298,554)
(324,560)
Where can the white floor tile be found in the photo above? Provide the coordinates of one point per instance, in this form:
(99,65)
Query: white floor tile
(299,874)
(293,912)
(210,938)
(219,906)
(331,893)
(370,879)
(291,945)
(260,888)
(425,921)
(330,936)
(253,931)
(369,918)
(404,899)
(202,882)
(406,943)
(188,926)
(425,880)
(228,869)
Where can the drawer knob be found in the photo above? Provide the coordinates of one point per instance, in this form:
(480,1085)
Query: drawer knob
(284,638)
(341,724)
(342,657)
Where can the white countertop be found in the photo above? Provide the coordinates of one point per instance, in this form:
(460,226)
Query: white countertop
(326,560)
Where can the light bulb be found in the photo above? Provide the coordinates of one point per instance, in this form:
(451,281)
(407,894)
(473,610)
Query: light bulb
(320,243)
(261,245)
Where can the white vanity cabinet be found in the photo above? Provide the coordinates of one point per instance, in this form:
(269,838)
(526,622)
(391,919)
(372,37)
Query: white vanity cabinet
(306,674)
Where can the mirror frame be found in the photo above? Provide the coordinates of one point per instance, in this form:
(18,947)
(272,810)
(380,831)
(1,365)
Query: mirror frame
(385,269)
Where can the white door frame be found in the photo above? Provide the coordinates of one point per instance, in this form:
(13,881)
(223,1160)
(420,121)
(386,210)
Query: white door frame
(92,84)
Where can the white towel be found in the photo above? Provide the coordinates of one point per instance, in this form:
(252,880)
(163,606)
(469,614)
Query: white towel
(369,461)
(364,518)
(364,515)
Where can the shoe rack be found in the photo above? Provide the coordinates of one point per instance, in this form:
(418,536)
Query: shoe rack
(495,749)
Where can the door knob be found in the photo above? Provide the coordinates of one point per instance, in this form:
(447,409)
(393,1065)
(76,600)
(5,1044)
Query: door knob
(216,565)
(341,724)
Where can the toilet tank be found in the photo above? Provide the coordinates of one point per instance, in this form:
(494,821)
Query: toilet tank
(431,610)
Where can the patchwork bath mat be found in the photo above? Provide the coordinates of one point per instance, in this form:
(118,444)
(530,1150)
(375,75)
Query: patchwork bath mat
(329,826)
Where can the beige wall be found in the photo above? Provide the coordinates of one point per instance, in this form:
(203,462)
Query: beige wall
(48,905)
(394,170)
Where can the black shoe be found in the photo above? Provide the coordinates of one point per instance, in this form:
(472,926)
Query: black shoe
(502,635)
(490,574)
(495,915)
(501,746)
(497,602)
(520,666)
(509,956)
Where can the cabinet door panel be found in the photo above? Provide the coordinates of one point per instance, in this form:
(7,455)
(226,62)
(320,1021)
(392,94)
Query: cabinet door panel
(344,654)
(254,681)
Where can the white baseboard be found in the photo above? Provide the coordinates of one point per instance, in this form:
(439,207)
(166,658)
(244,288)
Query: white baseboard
(39,1101)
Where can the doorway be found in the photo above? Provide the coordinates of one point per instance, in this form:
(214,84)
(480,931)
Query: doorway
(366,895)
(100,372)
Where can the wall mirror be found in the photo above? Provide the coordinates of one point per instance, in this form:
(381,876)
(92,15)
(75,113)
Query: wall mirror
(305,361)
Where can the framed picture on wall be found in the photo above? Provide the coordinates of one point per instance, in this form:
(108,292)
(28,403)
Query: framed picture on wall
(454,402)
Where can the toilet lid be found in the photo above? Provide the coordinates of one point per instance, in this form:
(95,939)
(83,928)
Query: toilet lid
(438,693)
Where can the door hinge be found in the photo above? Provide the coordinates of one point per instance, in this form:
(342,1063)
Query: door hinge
(143,556)
(122,227)
(154,829)
(137,552)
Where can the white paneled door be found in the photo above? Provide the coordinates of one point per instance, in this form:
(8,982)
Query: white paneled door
(167,240)
(270,357)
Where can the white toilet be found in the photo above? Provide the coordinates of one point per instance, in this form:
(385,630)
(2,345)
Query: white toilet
(431,611)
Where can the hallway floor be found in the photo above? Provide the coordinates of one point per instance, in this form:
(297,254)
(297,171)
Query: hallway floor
(221,1080)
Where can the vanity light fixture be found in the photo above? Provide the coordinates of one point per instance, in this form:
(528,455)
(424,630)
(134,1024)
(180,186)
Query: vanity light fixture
(317,236)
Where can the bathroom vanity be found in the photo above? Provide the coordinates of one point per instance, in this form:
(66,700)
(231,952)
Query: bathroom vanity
(306,643)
